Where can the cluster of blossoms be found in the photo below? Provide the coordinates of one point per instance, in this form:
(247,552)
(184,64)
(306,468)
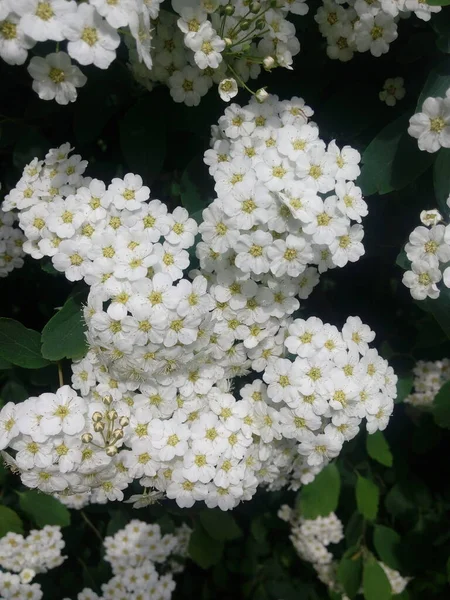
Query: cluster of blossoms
(311,537)
(393,90)
(431,126)
(351,26)
(22,558)
(429,377)
(11,242)
(216,41)
(212,41)
(155,399)
(428,250)
(134,554)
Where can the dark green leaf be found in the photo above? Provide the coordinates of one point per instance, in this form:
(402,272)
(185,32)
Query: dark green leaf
(43,509)
(321,496)
(203,549)
(437,83)
(386,542)
(13,391)
(143,140)
(378,448)
(440,309)
(441,179)
(192,198)
(398,501)
(31,144)
(9,521)
(402,260)
(376,585)
(349,572)
(20,345)
(367,497)
(118,521)
(63,336)
(404,388)
(4,364)
(220,525)
(441,25)
(438,2)
(441,406)
(392,160)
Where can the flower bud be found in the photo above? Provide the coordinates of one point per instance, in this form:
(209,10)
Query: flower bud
(107,400)
(255,7)
(97,417)
(124,421)
(86,438)
(118,434)
(244,25)
(269,63)
(229,10)
(261,95)
(228,41)
(111,450)
(99,427)
(260,24)
(112,415)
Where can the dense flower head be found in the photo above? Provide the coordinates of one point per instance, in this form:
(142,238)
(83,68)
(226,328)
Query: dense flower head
(351,26)
(311,538)
(428,250)
(11,242)
(155,398)
(135,553)
(429,377)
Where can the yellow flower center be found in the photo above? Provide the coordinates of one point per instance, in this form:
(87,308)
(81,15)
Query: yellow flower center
(57,75)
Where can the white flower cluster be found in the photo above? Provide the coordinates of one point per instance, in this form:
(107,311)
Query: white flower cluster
(311,537)
(11,242)
(431,126)
(216,41)
(428,250)
(351,26)
(429,377)
(39,552)
(155,399)
(132,553)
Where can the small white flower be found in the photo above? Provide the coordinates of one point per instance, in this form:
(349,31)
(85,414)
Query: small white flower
(432,126)
(228,88)
(55,78)
(393,90)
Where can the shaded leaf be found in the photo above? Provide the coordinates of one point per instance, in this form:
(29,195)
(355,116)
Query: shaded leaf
(43,509)
(220,525)
(441,406)
(378,449)
(20,345)
(349,572)
(203,549)
(437,83)
(321,496)
(441,179)
(376,585)
(9,521)
(404,388)
(63,336)
(367,497)
(386,542)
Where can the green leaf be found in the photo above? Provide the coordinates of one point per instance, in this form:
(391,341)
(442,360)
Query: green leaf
(404,388)
(320,497)
(438,2)
(20,345)
(220,525)
(143,140)
(441,406)
(43,509)
(4,364)
(13,391)
(386,542)
(63,336)
(440,309)
(441,179)
(9,521)
(29,145)
(441,25)
(367,498)
(349,572)
(402,260)
(392,160)
(398,501)
(190,189)
(378,449)
(437,83)
(203,549)
(376,585)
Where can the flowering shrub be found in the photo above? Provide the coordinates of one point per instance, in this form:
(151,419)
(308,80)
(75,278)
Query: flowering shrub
(213,382)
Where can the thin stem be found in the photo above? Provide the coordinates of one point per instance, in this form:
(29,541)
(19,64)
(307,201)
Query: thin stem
(247,37)
(60,375)
(90,524)
(240,80)
(85,567)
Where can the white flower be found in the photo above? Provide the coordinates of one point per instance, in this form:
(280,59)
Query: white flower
(422,280)
(375,33)
(63,411)
(228,88)
(14,43)
(91,39)
(207,47)
(431,217)
(290,256)
(252,252)
(43,20)
(188,86)
(393,90)
(428,245)
(8,424)
(432,125)
(55,78)
(118,13)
